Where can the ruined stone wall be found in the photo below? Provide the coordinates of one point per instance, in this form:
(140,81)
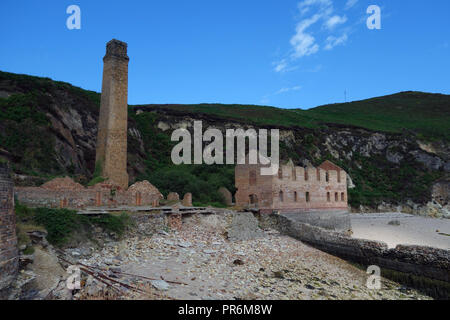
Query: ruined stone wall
(40,197)
(422,261)
(250,183)
(111,150)
(103,194)
(8,239)
(148,224)
(293,188)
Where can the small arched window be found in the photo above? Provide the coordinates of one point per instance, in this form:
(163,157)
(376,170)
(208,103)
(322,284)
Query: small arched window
(327,177)
(342,196)
(281,196)
(336,198)
(328,197)
(307,197)
(306,174)
(295,196)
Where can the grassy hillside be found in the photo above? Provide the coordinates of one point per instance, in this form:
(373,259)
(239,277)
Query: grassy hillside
(28,138)
(426,114)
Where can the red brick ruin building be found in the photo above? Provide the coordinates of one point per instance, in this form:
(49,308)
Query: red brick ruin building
(293,189)
(65,193)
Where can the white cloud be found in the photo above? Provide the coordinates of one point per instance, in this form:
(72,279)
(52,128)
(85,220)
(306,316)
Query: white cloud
(350,4)
(281,66)
(304,45)
(334,21)
(324,5)
(303,42)
(332,41)
(284,90)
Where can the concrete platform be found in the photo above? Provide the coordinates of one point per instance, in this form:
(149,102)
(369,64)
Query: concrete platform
(141,209)
(332,220)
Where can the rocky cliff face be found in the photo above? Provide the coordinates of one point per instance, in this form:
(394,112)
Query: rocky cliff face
(388,172)
(61,136)
(49,129)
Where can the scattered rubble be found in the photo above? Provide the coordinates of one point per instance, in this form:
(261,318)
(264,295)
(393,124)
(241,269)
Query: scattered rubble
(200,262)
(202,259)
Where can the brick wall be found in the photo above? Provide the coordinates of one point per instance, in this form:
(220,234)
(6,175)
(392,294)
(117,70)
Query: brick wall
(111,150)
(293,188)
(8,239)
(103,194)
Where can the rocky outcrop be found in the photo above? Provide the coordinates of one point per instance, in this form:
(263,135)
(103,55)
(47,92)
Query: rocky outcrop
(70,135)
(385,168)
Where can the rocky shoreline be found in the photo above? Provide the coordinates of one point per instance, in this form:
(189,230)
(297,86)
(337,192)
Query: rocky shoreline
(199,261)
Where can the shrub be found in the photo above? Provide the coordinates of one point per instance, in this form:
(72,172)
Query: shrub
(59,223)
(97,175)
(112,223)
(62,224)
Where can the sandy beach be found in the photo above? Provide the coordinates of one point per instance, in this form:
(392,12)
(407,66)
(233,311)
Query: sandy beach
(412,229)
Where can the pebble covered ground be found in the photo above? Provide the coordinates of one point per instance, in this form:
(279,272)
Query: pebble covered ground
(205,265)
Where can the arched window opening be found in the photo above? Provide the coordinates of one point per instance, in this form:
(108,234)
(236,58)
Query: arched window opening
(307,197)
(306,175)
(327,177)
(336,197)
(328,197)
(342,196)
(295,196)
(253,199)
(281,196)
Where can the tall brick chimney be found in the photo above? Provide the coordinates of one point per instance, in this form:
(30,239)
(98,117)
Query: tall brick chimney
(111,152)
(9,261)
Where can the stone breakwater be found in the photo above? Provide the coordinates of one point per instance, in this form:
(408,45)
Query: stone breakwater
(418,260)
(8,240)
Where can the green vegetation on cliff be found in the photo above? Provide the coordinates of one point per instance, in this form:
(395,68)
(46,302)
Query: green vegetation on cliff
(62,224)
(26,131)
(202,181)
(28,138)
(426,114)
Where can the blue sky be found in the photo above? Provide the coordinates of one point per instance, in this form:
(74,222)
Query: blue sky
(289,54)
